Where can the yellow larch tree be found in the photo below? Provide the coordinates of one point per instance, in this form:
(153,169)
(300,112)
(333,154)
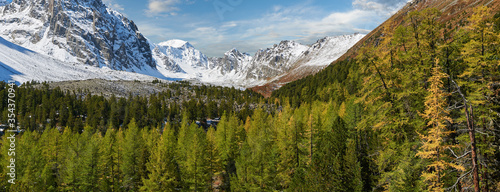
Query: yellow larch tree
(433,144)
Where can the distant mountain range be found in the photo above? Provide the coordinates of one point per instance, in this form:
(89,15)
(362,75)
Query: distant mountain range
(90,35)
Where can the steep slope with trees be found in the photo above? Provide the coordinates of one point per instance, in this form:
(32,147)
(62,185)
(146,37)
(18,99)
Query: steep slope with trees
(405,104)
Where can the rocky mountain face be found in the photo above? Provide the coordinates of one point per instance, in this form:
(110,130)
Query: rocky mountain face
(82,31)
(276,60)
(232,61)
(3,2)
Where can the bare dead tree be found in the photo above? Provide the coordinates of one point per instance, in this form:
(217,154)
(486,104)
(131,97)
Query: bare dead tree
(469,114)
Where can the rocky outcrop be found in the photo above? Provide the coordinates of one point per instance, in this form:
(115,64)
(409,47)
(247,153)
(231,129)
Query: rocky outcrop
(232,61)
(276,60)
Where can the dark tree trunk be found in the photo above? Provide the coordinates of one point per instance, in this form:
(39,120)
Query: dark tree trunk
(470,126)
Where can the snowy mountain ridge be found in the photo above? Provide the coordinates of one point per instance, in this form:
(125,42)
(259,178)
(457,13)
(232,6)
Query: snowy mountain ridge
(327,50)
(179,59)
(175,43)
(87,33)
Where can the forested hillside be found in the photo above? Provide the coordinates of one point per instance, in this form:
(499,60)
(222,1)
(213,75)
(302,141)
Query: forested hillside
(429,92)
(417,111)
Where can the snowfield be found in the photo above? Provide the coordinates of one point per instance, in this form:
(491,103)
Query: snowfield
(22,65)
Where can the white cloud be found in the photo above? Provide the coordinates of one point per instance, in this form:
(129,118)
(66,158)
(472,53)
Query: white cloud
(303,23)
(165,7)
(162,7)
(229,25)
(112,4)
(277,8)
(387,7)
(287,24)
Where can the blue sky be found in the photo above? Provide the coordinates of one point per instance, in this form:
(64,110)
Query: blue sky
(216,26)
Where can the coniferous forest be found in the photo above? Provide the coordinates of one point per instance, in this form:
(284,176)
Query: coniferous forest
(417,111)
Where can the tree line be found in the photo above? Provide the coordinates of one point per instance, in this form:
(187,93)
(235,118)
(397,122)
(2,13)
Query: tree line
(41,107)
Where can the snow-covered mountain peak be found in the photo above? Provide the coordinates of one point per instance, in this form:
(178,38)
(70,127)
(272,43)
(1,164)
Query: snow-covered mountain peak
(276,60)
(180,59)
(233,50)
(176,43)
(235,53)
(288,43)
(285,48)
